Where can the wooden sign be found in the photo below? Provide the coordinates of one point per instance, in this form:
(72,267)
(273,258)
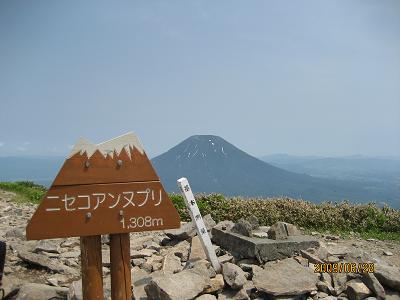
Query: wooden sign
(109,188)
(103,189)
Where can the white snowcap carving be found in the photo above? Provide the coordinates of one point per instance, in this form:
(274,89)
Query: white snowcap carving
(109,147)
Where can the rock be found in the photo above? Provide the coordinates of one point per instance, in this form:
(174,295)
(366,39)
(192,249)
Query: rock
(140,279)
(243,227)
(181,250)
(142,253)
(311,257)
(105,258)
(209,222)
(388,276)
(387,253)
(339,282)
(357,290)
(34,291)
(72,254)
(171,264)
(373,284)
(392,295)
(278,231)
(206,297)
(75,290)
(225,258)
(326,287)
(70,243)
(301,260)
(183,285)
(332,237)
(217,284)
(332,259)
(47,246)
(233,295)
(17,232)
(43,261)
(259,234)
(233,275)
(253,220)
(196,250)
(225,225)
(261,249)
(188,230)
(137,261)
(286,277)
(152,245)
(10,288)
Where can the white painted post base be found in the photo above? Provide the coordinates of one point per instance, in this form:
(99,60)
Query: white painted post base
(199,223)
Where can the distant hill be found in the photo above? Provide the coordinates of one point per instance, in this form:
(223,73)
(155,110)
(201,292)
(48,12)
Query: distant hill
(213,165)
(355,167)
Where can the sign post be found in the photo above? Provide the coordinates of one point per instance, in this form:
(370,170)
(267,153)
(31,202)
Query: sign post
(108,188)
(91,267)
(199,223)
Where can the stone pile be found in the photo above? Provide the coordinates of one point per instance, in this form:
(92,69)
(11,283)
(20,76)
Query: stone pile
(172,264)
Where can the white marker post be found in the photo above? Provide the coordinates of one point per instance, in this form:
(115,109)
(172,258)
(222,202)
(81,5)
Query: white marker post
(199,223)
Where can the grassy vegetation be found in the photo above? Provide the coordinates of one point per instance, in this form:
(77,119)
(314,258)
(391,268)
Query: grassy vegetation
(365,220)
(26,191)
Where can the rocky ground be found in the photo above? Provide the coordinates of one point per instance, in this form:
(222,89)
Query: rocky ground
(173,265)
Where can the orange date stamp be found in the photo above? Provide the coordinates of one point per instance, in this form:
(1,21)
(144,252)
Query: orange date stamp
(344,268)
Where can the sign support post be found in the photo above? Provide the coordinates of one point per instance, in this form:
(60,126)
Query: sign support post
(120,266)
(91,265)
(199,223)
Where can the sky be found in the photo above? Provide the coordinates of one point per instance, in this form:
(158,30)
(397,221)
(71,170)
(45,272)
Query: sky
(297,77)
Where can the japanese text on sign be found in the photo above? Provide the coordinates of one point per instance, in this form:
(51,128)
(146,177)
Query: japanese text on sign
(105,200)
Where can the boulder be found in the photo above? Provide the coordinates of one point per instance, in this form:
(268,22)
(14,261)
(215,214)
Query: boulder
(388,276)
(286,277)
(374,285)
(75,290)
(196,250)
(180,286)
(45,262)
(357,290)
(225,225)
(181,250)
(234,276)
(47,246)
(188,230)
(217,284)
(281,230)
(140,279)
(233,295)
(171,264)
(243,227)
(16,233)
(339,282)
(34,291)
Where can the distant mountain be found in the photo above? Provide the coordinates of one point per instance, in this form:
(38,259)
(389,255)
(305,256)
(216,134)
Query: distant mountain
(355,167)
(213,165)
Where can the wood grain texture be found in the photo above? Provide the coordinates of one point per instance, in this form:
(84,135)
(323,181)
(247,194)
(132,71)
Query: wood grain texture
(120,267)
(58,216)
(91,266)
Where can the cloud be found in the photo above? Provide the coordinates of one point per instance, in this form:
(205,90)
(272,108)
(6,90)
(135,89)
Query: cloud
(1,144)
(26,143)
(70,147)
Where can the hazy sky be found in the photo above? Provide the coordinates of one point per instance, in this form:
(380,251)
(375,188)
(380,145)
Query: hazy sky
(297,77)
